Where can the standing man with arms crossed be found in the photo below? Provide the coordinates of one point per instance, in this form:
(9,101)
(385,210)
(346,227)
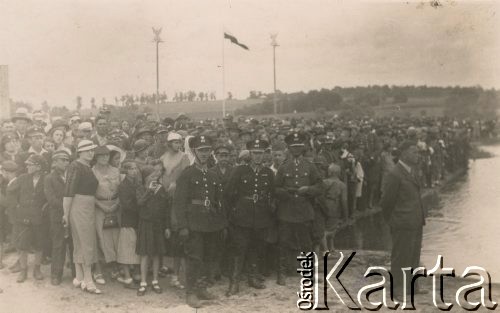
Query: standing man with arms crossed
(403,210)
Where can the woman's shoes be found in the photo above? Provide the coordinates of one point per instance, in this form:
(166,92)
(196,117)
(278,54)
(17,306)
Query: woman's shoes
(176,283)
(125,281)
(77,283)
(90,288)
(99,279)
(142,289)
(156,287)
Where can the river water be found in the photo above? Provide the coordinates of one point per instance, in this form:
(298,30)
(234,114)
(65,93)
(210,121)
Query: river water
(464,228)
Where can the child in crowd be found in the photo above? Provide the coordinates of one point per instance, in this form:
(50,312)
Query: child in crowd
(127,241)
(153,213)
(336,203)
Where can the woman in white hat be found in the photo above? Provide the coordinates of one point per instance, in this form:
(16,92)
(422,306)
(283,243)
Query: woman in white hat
(79,213)
(174,162)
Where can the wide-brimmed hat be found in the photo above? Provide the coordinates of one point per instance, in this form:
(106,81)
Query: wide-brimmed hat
(101,150)
(140,145)
(85,145)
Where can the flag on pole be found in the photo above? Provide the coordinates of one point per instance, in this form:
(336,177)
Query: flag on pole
(235,41)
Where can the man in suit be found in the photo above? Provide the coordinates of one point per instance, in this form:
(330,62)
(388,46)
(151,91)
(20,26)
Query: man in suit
(28,199)
(403,210)
(54,191)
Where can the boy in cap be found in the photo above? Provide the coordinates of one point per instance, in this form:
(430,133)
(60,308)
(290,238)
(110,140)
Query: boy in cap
(28,198)
(54,186)
(297,183)
(200,219)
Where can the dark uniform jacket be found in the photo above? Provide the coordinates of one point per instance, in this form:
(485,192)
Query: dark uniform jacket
(54,188)
(249,195)
(197,201)
(28,199)
(293,207)
(223,178)
(401,202)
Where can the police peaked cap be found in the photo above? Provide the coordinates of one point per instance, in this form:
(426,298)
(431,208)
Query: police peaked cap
(200,142)
(257,144)
(295,139)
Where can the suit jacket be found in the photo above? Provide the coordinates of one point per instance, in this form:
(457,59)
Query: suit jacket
(28,199)
(401,200)
(54,187)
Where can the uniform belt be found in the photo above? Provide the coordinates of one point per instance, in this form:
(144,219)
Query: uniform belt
(201,202)
(107,199)
(255,198)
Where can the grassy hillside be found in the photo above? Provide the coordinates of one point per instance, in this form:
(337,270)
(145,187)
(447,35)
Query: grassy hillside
(201,109)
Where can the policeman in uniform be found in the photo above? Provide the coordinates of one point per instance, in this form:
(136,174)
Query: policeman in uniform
(297,183)
(200,219)
(248,193)
(222,169)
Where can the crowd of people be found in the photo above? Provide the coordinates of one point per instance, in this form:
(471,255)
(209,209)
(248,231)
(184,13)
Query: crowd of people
(134,201)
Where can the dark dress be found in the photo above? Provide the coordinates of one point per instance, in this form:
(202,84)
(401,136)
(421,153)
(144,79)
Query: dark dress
(152,217)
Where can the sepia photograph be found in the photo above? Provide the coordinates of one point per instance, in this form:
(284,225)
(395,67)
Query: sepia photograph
(229,156)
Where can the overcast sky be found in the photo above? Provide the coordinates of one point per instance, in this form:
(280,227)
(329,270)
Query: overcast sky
(58,49)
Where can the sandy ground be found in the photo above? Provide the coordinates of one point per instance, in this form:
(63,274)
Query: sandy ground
(41,296)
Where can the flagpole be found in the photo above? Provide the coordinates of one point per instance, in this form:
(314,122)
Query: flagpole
(223,77)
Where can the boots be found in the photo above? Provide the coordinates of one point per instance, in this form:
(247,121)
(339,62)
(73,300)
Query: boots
(37,274)
(282,267)
(193,301)
(23,274)
(253,280)
(234,279)
(202,291)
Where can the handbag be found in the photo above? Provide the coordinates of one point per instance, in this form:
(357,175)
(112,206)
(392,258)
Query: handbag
(110,221)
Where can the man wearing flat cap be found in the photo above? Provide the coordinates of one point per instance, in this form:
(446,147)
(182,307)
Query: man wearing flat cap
(54,186)
(297,183)
(28,198)
(35,135)
(404,212)
(248,194)
(200,219)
